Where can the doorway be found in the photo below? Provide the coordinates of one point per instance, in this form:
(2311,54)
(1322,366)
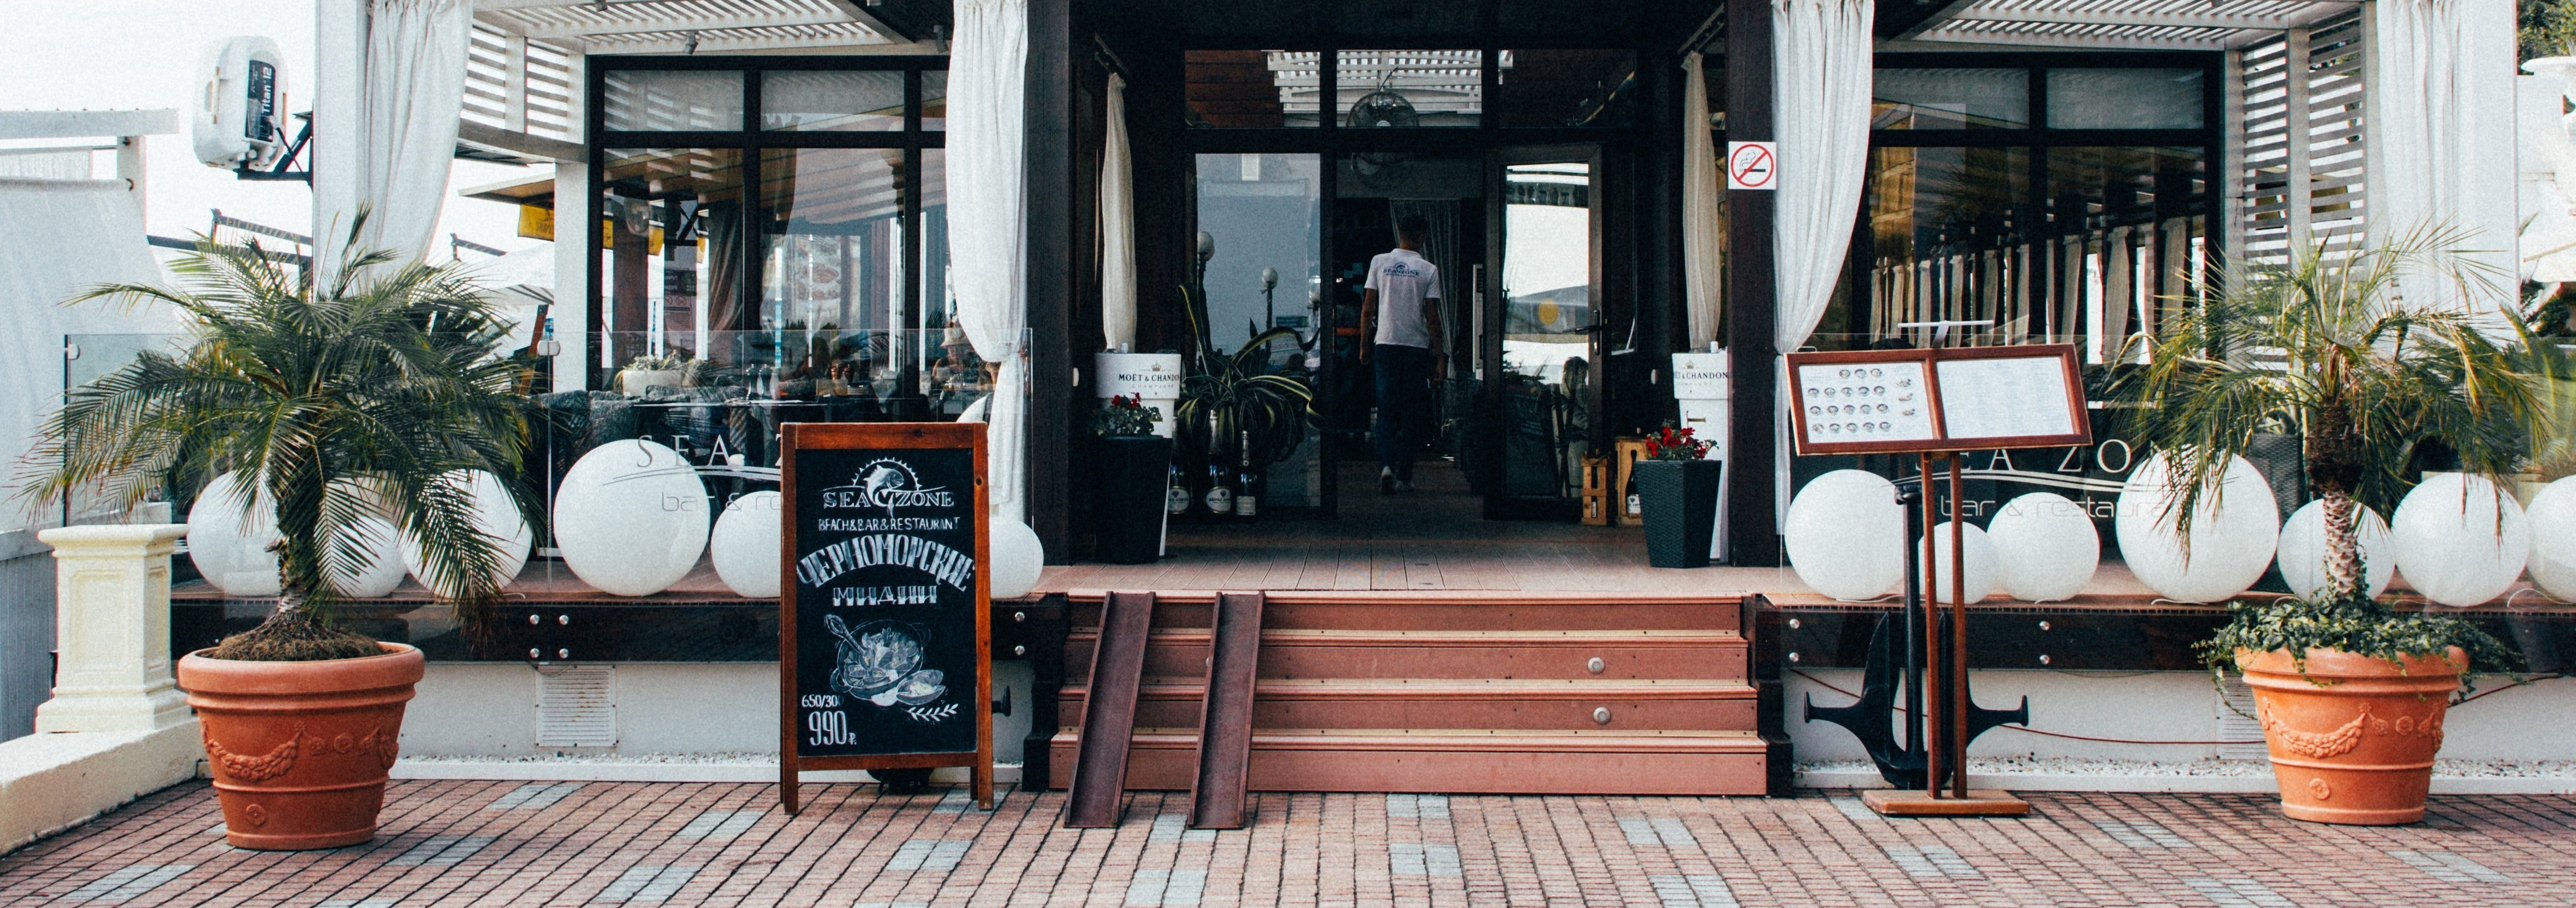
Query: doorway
(1540,336)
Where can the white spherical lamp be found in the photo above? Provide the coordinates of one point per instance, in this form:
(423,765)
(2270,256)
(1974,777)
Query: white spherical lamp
(2303,551)
(2553,539)
(1846,535)
(230,548)
(496,516)
(380,568)
(2046,548)
(2234,528)
(1017,559)
(745,546)
(631,518)
(2461,541)
(1977,569)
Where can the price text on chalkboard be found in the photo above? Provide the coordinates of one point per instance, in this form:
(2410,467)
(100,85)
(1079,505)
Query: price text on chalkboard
(884,607)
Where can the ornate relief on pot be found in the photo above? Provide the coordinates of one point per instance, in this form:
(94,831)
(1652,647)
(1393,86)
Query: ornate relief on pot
(254,814)
(261,768)
(2317,788)
(2316,745)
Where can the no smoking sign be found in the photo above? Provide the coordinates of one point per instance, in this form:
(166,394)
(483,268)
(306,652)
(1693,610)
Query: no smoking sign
(1753,165)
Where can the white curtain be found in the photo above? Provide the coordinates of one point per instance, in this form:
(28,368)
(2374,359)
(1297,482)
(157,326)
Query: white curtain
(1117,225)
(1820,96)
(1703,230)
(2441,156)
(987,222)
(412,83)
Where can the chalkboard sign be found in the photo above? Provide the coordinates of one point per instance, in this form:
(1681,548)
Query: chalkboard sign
(884,608)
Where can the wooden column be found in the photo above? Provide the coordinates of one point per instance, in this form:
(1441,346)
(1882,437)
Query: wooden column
(1752,532)
(1052,266)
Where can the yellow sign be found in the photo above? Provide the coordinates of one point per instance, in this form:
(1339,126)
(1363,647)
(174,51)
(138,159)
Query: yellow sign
(539,224)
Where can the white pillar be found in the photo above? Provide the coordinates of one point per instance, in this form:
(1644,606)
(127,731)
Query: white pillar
(112,614)
(575,226)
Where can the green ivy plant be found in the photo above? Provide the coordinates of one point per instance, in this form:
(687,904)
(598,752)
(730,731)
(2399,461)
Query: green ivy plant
(2358,625)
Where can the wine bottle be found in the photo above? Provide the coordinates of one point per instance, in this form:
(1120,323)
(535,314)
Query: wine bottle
(1636,502)
(1247,495)
(1176,495)
(1220,490)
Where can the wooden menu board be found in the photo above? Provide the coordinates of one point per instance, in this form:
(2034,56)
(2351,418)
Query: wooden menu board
(1943,399)
(884,617)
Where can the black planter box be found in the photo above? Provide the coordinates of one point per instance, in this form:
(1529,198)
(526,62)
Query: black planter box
(1134,469)
(1680,499)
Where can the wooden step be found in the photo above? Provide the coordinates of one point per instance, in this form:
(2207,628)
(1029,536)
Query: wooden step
(1464,761)
(1450,654)
(1447,611)
(1449,703)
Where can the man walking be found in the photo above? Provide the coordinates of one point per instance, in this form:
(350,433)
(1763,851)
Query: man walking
(1400,311)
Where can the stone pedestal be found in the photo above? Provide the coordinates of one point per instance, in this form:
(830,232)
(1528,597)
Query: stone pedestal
(112,601)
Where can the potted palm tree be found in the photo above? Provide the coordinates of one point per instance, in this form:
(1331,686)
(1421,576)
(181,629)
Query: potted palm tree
(343,407)
(2350,690)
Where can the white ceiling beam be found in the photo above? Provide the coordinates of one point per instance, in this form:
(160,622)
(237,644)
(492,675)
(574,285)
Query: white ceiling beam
(2077,42)
(2178,20)
(79,124)
(655,26)
(677,42)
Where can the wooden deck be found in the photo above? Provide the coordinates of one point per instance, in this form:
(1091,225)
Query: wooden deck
(1433,539)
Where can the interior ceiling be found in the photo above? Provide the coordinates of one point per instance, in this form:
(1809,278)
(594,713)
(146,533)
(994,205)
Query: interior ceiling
(1404,23)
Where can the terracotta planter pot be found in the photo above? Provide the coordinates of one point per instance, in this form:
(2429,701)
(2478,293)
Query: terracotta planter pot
(2358,750)
(300,750)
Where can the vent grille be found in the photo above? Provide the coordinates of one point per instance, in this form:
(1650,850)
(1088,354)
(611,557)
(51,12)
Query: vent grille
(2236,723)
(577,706)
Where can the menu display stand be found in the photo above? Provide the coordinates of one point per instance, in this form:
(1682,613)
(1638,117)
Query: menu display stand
(885,634)
(1939,404)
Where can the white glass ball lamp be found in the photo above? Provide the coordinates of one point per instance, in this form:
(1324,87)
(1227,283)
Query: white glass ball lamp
(746,544)
(2461,541)
(381,566)
(496,516)
(1846,535)
(2553,539)
(1017,559)
(2046,547)
(1977,569)
(230,548)
(2234,529)
(2303,551)
(631,518)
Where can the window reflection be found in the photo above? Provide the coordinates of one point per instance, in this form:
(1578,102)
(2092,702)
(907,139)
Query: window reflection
(833,270)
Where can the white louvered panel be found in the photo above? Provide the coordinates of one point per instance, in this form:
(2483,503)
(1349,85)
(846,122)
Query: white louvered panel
(577,706)
(2236,723)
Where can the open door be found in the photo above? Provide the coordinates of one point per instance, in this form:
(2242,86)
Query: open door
(1539,338)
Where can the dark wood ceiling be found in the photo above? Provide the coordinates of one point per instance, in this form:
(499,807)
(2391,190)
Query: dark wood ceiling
(1402,23)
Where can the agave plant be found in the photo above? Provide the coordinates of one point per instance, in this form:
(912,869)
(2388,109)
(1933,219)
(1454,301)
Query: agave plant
(1242,398)
(339,404)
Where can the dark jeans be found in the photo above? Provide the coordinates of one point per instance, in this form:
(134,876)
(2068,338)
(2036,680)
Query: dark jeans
(1403,405)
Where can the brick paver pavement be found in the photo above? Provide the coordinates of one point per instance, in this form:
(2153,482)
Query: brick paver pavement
(635,844)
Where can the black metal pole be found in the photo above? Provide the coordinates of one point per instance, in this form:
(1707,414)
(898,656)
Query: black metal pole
(1913,623)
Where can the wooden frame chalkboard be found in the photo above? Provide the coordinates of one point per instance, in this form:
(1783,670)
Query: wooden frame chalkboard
(884,603)
(2033,392)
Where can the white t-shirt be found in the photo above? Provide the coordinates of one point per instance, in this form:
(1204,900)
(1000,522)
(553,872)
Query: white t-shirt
(1403,279)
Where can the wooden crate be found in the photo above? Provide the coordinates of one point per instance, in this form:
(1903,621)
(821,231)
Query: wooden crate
(1597,503)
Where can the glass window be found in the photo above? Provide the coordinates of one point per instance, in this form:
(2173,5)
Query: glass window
(2124,99)
(832,101)
(1950,99)
(1565,87)
(1944,241)
(1400,88)
(1252,88)
(1264,212)
(934,99)
(671,100)
(670,238)
(832,270)
(951,374)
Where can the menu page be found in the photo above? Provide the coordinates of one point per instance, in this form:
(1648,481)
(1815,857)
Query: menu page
(1843,403)
(2005,398)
